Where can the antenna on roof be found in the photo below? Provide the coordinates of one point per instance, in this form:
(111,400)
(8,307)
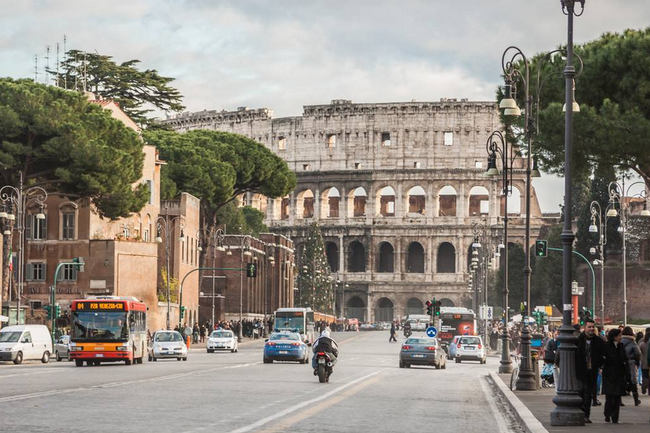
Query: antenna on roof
(57,64)
(65,77)
(47,63)
(35,68)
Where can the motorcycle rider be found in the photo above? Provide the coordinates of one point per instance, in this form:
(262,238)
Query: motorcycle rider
(326,344)
(407,329)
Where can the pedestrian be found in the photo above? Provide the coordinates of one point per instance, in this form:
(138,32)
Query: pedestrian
(645,377)
(550,354)
(392,333)
(615,375)
(203,332)
(589,358)
(633,356)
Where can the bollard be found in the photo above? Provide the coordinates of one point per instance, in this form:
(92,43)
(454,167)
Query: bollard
(188,341)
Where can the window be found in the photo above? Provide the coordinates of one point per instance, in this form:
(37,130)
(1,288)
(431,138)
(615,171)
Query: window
(478,164)
(35,272)
(305,167)
(35,229)
(449,138)
(67,273)
(35,305)
(331,140)
(416,165)
(150,184)
(357,165)
(385,138)
(282,143)
(68,226)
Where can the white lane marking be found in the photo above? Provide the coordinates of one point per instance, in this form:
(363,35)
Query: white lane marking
(115,384)
(298,406)
(52,370)
(489,396)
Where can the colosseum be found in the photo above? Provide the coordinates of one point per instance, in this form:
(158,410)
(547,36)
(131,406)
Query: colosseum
(396,188)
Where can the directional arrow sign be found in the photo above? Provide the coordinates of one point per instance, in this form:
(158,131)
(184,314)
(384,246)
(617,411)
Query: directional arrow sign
(432,331)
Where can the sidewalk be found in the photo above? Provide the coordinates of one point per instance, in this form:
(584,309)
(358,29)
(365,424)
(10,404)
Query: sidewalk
(540,403)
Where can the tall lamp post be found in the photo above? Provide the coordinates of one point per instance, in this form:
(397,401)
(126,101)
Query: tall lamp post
(213,238)
(497,148)
(16,201)
(270,253)
(617,194)
(567,411)
(165,227)
(601,229)
(483,246)
(243,242)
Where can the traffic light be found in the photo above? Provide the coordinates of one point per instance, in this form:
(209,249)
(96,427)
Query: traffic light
(48,310)
(182,311)
(584,315)
(251,270)
(541,248)
(57,311)
(429,308)
(436,307)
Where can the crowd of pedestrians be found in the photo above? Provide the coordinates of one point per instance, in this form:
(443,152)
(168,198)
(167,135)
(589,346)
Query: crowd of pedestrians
(250,328)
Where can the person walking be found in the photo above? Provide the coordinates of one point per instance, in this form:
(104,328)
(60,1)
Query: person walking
(589,358)
(615,375)
(392,333)
(645,376)
(633,357)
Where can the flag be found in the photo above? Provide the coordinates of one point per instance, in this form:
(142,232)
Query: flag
(10,259)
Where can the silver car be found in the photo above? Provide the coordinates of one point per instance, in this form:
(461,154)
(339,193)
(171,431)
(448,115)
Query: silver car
(62,348)
(167,344)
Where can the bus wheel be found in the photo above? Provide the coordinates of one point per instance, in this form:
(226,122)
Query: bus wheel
(79,362)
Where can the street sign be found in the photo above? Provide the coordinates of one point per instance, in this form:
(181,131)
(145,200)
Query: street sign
(490,313)
(432,331)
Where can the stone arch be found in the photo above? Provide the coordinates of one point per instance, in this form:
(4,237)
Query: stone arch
(414,306)
(281,208)
(356,257)
(386,201)
(384,310)
(415,258)
(416,199)
(259,202)
(305,204)
(355,308)
(386,257)
(357,199)
(446,263)
(148,231)
(447,198)
(332,253)
(330,203)
(479,201)
(445,302)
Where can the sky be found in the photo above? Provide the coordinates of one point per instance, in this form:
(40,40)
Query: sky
(284,54)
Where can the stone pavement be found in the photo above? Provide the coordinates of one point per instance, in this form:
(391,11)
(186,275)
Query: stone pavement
(632,420)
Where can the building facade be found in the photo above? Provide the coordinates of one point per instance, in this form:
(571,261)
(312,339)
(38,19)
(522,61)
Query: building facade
(396,188)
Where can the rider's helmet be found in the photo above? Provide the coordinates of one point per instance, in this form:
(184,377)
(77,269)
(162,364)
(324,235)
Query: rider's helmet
(325,333)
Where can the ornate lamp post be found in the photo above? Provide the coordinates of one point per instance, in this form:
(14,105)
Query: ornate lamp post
(567,411)
(483,246)
(601,229)
(16,201)
(497,148)
(165,227)
(213,238)
(617,194)
(243,242)
(270,253)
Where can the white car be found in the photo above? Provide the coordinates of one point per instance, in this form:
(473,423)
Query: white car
(470,347)
(222,339)
(167,344)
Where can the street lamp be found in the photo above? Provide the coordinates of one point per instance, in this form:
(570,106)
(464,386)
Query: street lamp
(213,239)
(482,245)
(567,401)
(165,227)
(601,229)
(496,147)
(19,200)
(617,194)
(243,242)
(510,61)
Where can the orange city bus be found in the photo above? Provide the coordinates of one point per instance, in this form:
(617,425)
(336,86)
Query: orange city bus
(108,329)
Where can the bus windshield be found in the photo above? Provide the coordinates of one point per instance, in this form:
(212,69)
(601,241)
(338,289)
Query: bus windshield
(99,326)
(291,321)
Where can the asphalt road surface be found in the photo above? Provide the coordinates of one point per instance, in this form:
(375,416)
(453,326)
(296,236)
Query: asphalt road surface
(236,392)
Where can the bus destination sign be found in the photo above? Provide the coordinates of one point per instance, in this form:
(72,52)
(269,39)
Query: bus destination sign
(102,306)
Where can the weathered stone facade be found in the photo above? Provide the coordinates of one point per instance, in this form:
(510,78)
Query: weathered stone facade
(396,188)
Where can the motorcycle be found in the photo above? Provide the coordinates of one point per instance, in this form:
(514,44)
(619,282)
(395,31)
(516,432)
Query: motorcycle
(407,332)
(325,366)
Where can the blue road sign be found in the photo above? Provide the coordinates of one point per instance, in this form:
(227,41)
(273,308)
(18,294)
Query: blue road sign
(432,331)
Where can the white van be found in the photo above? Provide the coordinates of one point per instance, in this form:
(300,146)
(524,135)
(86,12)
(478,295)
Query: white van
(22,342)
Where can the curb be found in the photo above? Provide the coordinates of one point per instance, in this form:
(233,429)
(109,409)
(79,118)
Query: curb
(521,412)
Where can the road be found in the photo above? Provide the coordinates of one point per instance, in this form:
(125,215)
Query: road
(226,392)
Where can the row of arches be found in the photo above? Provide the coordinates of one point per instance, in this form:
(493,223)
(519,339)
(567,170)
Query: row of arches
(414,203)
(384,310)
(415,258)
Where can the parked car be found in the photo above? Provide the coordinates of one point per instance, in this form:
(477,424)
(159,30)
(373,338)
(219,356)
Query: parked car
(167,344)
(62,348)
(452,347)
(222,339)
(470,348)
(422,351)
(285,346)
(25,342)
